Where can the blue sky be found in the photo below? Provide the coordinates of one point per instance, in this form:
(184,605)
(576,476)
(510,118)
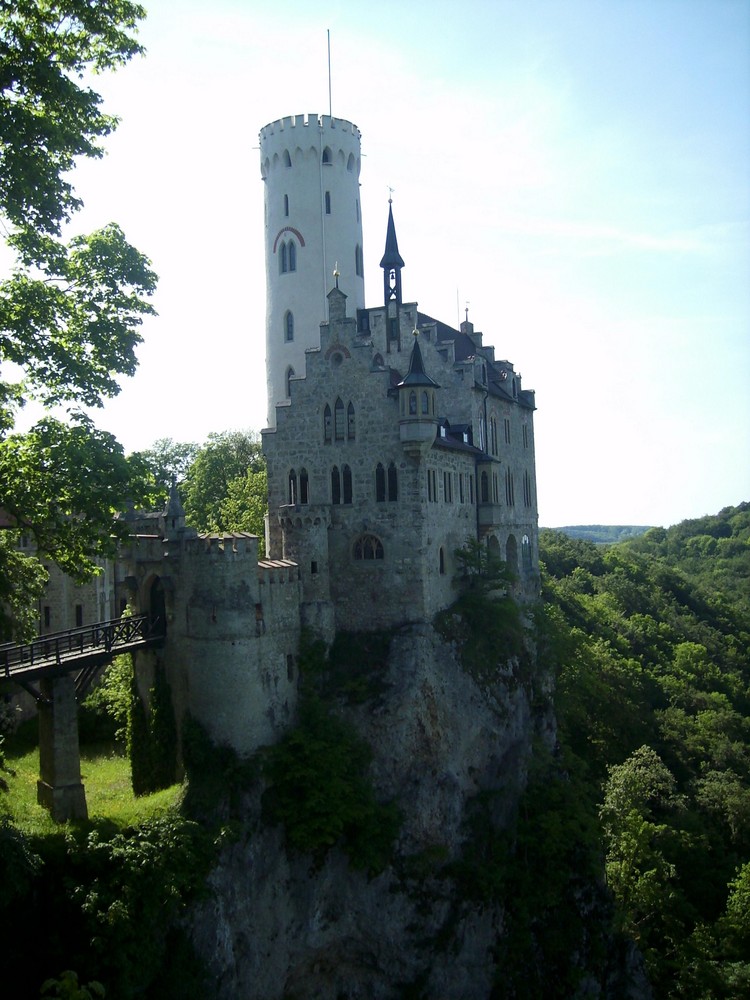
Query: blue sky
(578,172)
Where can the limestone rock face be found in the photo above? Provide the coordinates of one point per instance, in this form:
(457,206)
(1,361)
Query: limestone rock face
(276,927)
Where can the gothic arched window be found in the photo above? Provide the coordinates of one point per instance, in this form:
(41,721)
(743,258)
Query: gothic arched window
(425,402)
(292,255)
(286,205)
(335,485)
(350,422)
(303,486)
(412,403)
(368,547)
(328,202)
(292,487)
(287,381)
(327,155)
(338,423)
(283,260)
(327,424)
(288,326)
(347,477)
(287,158)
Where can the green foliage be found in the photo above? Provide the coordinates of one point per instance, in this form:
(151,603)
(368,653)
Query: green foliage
(167,462)
(69,312)
(215,776)
(67,987)
(488,630)
(354,668)
(22,583)
(224,475)
(152,737)
(319,790)
(104,712)
(652,643)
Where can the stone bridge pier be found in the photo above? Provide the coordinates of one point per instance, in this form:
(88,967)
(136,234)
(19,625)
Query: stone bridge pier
(59,787)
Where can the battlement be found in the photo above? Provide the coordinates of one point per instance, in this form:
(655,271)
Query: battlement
(307,121)
(218,545)
(273,572)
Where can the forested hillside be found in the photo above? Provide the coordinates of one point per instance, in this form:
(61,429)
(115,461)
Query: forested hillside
(652,643)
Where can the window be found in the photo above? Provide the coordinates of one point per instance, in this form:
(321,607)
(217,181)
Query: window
(326,155)
(425,402)
(350,163)
(447,488)
(392,482)
(484,483)
(432,491)
(288,379)
(493,435)
(526,552)
(283,259)
(79,615)
(412,403)
(509,488)
(335,485)
(286,205)
(358,265)
(292,255)
(288,326)
(506,424)
(47,616)
(460,487)
(525,436)
(292,487)
(347,477)
(356,207)
(379,483)
(303,486)
(287,158)
(328,202)
(350,422)
(442,561)
(327,424)
(471,488)
(338,424)
(495,491)
(368,547)
(528,492)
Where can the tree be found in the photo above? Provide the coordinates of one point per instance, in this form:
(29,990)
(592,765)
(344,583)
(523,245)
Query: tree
(70,311)
(212,480)
(167,462)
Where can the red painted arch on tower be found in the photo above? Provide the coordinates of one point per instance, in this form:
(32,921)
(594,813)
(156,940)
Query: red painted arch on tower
(288,229)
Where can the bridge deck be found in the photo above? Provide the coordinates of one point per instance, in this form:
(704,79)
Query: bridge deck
(77,648)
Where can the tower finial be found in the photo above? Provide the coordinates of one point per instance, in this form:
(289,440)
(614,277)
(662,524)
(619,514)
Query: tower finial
(336,274)
(392,261)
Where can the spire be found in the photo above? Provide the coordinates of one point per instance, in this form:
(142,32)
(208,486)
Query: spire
(416,374)
(391,262)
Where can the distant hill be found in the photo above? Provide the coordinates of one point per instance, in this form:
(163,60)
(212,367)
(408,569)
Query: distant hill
(604,533)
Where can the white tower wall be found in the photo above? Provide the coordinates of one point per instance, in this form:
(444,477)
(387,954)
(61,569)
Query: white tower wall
(310,165)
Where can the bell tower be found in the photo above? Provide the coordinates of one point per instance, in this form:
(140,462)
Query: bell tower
(313,225)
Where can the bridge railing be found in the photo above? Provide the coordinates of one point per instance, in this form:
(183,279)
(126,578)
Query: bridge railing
(59,647)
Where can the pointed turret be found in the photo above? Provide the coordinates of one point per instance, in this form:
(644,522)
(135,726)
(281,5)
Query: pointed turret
(391,262)
(418,422)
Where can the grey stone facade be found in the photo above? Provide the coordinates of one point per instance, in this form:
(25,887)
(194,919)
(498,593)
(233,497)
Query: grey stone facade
(375,479)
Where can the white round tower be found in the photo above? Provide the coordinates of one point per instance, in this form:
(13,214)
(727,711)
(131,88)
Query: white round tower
(313,225)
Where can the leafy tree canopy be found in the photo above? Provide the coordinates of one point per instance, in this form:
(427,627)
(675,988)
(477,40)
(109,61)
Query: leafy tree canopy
(70,311)
(225,488)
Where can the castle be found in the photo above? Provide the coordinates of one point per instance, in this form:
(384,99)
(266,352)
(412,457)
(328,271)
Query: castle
(393,441)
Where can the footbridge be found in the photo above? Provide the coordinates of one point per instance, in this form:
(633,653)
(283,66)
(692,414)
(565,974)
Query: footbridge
(57,669)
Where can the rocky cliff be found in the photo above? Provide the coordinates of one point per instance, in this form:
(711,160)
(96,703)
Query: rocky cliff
(451,740)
